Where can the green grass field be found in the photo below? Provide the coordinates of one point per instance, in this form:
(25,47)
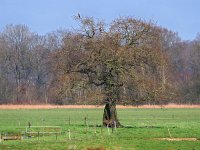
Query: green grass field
(144,129)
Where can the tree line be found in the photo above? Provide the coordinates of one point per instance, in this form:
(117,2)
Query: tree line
(129,61)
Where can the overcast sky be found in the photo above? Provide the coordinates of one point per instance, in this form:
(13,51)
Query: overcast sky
(42,16)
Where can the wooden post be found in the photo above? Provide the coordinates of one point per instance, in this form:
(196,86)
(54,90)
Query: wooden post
(5,136)
(85,121)
(43,126)
(69,120)
(43,131)
(108,130)
(69,134)
(115,125)
(86,132)
(29,124)
(95,130)
(38,135)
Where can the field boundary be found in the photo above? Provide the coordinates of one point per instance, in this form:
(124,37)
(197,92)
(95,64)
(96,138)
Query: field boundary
(91,106)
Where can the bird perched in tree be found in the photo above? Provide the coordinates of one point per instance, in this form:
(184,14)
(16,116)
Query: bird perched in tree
(79,16)
(100,29)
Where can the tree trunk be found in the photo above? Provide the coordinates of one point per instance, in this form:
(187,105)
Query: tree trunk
(110,116)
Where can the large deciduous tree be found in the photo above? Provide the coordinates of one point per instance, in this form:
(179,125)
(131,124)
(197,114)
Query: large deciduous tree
(111,57)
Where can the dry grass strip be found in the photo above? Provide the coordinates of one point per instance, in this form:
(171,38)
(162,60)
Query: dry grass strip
(92,106)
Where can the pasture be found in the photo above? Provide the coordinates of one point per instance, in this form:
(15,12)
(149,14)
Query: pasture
(152,128)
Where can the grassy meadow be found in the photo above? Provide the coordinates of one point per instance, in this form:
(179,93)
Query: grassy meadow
(144,129)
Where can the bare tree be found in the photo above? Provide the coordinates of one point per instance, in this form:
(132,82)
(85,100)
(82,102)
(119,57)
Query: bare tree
(17,39)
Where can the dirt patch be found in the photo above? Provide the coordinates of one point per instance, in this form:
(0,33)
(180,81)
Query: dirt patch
(92,106)
(177,139)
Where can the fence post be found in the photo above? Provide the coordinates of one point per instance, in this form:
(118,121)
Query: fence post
(69,120)
(43,131)
(38,135)
(5,136)
(112,128)
(108,130)
(85,121)
(101,129)
(95,130)
(56,136)
(69,134)
(115,124)
(0,137)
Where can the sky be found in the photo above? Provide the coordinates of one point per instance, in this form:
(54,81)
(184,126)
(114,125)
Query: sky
(43,16)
